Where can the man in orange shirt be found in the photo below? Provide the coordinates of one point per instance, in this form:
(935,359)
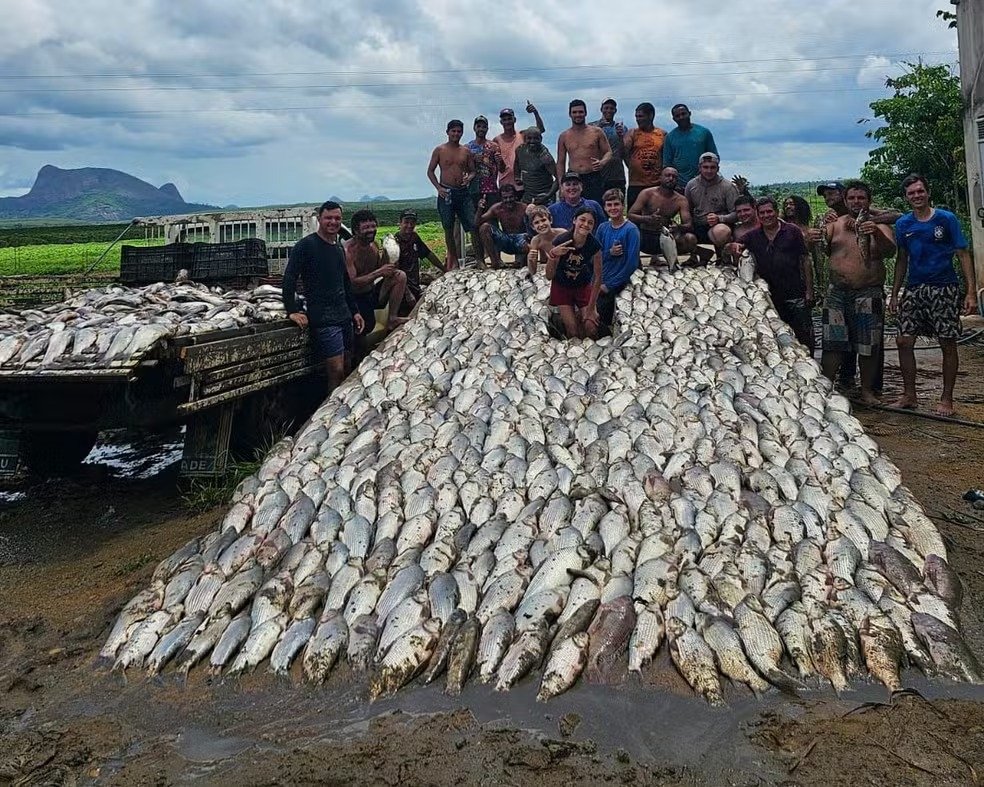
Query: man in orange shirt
(643,151)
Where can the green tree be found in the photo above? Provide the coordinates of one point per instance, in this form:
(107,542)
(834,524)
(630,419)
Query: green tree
(922,132)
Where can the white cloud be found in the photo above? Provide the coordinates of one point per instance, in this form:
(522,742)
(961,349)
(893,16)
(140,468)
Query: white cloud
(874,71)
(276,101)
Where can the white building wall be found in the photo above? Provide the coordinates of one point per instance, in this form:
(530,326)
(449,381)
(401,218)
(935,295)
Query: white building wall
(970,39)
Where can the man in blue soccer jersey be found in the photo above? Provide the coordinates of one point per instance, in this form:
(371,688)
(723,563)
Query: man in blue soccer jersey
(927,239)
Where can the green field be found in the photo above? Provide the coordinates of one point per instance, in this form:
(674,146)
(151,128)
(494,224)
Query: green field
(53,258)
(58,258)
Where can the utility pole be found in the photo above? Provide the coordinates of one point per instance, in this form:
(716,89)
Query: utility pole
(970,43)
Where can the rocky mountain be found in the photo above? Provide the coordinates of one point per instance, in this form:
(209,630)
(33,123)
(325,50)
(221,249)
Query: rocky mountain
(94,194)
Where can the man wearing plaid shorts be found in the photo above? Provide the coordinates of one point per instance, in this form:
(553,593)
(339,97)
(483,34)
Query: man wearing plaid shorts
(854,307)
(927,239)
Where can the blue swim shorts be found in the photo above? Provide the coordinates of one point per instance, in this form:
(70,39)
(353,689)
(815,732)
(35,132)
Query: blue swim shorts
(332,340)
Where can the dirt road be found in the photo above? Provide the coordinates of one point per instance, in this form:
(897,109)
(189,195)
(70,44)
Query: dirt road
(72,552)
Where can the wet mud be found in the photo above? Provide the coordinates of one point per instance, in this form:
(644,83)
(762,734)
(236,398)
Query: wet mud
(73,551)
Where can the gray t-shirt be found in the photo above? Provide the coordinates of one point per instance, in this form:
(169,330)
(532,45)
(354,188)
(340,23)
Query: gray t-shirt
(717,197)
(614,169)
(538,169)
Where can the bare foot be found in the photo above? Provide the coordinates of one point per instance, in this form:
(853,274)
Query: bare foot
(396,322)
(868,397)
(906,403)
(944,408)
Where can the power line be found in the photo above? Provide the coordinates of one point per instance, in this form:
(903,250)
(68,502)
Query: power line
(409,85)
(428,104)
(481,69)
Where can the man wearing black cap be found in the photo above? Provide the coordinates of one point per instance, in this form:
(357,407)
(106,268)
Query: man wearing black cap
(562,212)
(412,250)
(588,150)
(453,200)
(613,175)
(510,139)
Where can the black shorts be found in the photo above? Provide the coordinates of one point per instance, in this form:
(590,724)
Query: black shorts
(649,242)
(798,316)
(368,302)
(612,183)
(332,340)
(606,304)
(592,186)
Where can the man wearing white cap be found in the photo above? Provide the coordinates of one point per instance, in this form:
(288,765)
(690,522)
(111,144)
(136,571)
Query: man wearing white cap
(712,203)
(510,139)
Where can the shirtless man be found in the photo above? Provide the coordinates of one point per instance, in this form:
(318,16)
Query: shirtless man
(510,234)
(541,222)
(588,149)
(854,308)
(658,206)
(510,139)
(374,280)
(833,197)
(457,170)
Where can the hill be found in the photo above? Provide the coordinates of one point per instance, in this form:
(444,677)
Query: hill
(92,194)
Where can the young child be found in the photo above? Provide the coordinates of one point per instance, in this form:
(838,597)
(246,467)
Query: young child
(545,234)
(574,270)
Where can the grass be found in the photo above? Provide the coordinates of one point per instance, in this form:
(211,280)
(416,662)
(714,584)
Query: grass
(138,562)
(204,494)
(431,232)
(50,259)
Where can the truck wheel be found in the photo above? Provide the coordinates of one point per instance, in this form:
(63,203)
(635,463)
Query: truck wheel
(51,453)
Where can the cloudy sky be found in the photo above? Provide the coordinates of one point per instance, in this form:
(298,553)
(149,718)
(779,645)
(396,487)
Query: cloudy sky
(270,101)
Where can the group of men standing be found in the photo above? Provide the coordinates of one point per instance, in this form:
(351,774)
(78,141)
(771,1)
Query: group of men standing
(346,282)
(472,178)
(570,214)
(857,239)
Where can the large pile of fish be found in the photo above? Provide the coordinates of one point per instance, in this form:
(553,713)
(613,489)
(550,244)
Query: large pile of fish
(107,326)
(478,498)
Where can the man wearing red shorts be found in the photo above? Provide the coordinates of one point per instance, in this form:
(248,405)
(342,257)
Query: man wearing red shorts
(574,271)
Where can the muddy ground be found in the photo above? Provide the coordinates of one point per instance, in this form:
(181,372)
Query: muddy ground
(73,551)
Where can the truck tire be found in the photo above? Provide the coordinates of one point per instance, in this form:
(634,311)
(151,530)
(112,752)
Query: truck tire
(53,453)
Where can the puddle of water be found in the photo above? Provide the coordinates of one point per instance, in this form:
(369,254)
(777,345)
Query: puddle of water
(139,457)
(275,716)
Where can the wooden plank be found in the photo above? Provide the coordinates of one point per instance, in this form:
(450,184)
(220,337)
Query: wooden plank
(202,404)
(211,336)
(267,361)
(206,447)
(198,358)
(254,376)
